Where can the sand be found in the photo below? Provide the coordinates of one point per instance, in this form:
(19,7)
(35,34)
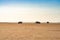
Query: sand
(29,31)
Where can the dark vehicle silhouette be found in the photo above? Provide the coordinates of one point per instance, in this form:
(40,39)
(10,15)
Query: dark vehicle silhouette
(20,22)
(47,22)
(37,22)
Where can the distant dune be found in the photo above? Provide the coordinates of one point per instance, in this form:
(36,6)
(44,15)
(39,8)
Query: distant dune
(29,31)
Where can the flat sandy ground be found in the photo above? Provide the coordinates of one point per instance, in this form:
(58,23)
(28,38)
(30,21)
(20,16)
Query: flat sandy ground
(29,31)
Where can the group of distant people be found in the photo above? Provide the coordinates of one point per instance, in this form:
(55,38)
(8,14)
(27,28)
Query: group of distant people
(37,22)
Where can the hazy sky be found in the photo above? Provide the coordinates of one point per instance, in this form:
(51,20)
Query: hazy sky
(29,10)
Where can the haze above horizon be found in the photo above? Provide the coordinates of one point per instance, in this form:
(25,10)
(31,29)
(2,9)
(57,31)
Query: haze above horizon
(29,10)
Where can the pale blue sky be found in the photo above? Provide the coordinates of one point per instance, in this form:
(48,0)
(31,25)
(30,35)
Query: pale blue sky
(30,10)
(46,3)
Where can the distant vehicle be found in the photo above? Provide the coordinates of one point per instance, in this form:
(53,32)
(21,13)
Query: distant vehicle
(37,22)
(20,22)
(47,22)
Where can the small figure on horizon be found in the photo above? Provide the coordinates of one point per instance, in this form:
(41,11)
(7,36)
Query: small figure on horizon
(37,22)
(20,22)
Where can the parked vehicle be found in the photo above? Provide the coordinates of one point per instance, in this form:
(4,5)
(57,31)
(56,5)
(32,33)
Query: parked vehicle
(47,22)
(19,22)
(37,22)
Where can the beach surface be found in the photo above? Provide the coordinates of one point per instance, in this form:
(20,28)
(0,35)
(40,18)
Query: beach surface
(29,31)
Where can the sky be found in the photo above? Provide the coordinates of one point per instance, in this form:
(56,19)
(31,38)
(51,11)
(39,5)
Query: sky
(29,10)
